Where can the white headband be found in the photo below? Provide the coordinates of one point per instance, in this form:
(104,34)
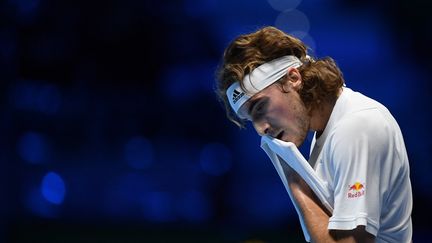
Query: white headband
(259,79)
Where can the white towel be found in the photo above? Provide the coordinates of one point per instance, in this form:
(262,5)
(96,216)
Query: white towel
(286,152)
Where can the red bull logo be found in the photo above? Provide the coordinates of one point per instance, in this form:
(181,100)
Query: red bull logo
(356,190)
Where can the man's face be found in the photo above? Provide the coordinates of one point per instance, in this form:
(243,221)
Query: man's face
(278,112)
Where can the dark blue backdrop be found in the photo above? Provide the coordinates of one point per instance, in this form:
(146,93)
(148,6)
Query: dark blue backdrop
(110,129)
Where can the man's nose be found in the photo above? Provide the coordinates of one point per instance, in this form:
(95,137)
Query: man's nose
(262,127)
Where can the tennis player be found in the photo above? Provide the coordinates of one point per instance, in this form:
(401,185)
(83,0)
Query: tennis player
(358,151)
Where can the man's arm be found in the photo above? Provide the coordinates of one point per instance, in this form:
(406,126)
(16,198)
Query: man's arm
(316,217)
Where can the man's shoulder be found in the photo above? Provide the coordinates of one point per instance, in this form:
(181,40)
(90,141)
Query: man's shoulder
(361,121)
(360,113)
(358,102)
(363,128)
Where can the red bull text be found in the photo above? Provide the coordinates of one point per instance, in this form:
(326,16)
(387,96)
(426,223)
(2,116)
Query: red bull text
(356,190)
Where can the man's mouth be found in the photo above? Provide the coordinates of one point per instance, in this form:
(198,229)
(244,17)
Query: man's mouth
(280,135)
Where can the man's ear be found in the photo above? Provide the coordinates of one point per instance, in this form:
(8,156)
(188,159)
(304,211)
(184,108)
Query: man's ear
(293,80)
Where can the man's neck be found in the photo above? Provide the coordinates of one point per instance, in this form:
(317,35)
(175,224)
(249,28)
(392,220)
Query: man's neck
(321,115)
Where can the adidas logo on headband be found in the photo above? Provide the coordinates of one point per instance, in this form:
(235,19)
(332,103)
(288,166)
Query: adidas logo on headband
(237,95)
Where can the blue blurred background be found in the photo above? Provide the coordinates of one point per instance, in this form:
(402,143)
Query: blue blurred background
(111,132)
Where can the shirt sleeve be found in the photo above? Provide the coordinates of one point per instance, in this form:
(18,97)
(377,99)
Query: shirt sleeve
(358,147)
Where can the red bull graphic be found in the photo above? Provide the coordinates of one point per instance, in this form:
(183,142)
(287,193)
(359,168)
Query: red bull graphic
(356,190)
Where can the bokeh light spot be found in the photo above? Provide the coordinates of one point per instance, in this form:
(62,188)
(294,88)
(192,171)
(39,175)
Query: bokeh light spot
(32,147)
(293,21)
(26,7)
(48,99)
(36,204)
(36,97)
(158,206)
(194,206)
(215,159)
(53,188)
(307,39)
(283,5)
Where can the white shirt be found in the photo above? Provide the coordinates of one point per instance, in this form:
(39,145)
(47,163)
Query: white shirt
(361,155)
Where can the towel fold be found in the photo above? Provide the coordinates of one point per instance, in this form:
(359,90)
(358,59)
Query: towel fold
(286,152)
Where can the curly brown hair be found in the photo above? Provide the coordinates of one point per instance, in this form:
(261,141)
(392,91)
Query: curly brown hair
(322,78)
